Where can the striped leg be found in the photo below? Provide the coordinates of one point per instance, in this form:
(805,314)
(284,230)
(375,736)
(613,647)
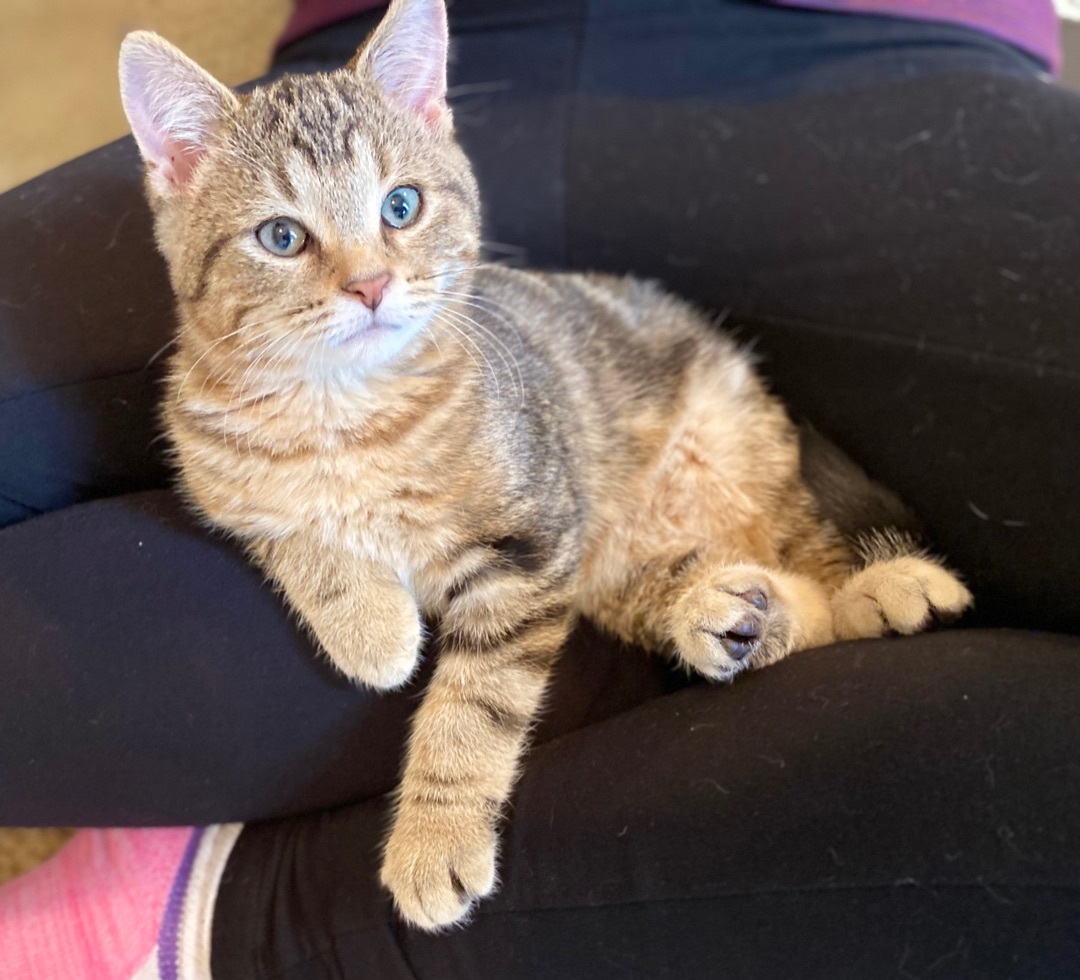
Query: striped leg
(467,739)
(715,610)
(365,619)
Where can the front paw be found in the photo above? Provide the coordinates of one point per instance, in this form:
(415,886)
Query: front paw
(439,863)
(379,647)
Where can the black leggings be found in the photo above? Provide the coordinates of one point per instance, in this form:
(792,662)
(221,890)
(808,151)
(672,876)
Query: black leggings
(888,210)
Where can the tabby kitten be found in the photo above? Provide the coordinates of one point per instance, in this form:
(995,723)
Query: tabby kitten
(395,431)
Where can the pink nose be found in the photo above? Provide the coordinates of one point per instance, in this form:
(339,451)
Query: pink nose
(369,291)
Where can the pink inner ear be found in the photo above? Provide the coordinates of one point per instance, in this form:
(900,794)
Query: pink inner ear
(417,86)
(183,158)
(171,105)
(409,57)
(434,111)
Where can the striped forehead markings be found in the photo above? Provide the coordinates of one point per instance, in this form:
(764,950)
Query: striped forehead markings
(320,123)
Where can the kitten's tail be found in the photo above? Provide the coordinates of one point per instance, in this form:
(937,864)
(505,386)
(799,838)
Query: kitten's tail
(872,520)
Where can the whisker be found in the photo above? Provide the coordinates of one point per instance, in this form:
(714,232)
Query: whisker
(474,300)
(453,271)
(256,365)
(507,356)
(505,247)
(161,350)
(471,301)
(478,88)
(264,401)
(232,370)
(198,360)
(465,341)
(233,333)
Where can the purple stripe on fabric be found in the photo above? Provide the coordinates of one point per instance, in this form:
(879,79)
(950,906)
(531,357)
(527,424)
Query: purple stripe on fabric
(169,934)
(1031,25)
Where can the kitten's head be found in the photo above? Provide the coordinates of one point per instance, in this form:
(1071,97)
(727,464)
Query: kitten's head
(312,223)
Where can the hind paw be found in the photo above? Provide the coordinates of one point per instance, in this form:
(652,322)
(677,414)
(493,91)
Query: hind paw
(901,595)
(733,620)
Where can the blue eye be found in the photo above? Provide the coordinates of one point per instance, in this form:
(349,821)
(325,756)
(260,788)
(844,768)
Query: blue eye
(282,236)
(401,207)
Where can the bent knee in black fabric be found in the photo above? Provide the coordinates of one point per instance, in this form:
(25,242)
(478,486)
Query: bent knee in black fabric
(982,448)
(82,440)
(151,676)
(934,209)
(85,305)
(901,256)
(894,802)
(531,85)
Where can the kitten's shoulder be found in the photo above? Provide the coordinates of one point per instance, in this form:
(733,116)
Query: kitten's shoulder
(576,288)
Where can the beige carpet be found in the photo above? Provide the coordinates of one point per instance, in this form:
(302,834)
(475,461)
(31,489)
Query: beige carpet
(58,90)
(22,848)
(59,98)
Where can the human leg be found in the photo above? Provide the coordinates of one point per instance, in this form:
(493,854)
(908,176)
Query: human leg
(151,677)
(942,831)
(85,305)
(912,299)
(898,251)
(889,805)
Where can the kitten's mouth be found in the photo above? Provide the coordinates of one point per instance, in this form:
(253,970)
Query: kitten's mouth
(358,332)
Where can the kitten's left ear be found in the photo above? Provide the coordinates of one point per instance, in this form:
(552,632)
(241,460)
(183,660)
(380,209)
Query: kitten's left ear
(406,56)
(172,104)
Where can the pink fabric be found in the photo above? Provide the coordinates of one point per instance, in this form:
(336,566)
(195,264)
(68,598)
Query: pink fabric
(1031,25)
(93,911)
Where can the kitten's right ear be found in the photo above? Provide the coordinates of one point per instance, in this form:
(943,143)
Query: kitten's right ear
(173,106)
